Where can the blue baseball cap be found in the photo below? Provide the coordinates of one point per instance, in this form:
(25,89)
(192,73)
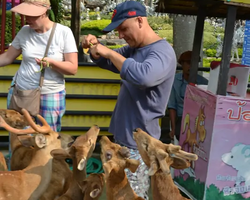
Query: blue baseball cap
(123,11)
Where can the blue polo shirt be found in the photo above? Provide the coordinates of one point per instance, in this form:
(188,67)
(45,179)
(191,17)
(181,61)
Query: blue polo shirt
(176,99)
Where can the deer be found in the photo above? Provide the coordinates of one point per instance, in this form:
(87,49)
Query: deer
(92,186)
(16,120)
(79,152)
(22,155)
(31,182)
(115,159)
(159,157)
(3,166)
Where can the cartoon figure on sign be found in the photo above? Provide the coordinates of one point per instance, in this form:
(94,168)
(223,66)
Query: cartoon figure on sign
(193,138)
(239,159)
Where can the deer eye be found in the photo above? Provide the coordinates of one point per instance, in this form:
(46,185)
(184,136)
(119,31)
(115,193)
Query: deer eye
(108,155)
(146,146)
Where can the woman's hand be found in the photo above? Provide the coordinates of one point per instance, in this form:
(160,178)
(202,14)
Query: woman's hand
(43,63)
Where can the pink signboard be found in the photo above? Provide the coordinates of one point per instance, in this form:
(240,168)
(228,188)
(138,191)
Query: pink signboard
(217,129)
(195,137)
(229,166)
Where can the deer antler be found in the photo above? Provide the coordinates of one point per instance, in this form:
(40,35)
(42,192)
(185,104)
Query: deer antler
(44,129)
(186,155)
(15,130)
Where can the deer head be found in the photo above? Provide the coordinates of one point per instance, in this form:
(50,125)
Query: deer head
(116,158)
(160,156)
(81,149)
(43,135)
(13,118)
(92,186)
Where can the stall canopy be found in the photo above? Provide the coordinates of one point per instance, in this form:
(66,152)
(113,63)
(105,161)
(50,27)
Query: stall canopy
(214,8)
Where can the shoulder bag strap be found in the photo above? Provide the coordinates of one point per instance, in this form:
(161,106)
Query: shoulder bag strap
(46,52)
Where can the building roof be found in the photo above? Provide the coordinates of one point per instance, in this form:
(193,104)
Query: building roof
(214,8)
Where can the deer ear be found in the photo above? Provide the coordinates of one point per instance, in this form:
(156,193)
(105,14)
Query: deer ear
(83,185)
(94,193)
(162,156)
(153,168)
(59,154)
(124,152)
(180,163)
(132,164)
(26,140)
(40,140)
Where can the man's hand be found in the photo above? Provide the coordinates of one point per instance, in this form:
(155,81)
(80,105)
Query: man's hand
(100,50)
(89,41)
(171,134)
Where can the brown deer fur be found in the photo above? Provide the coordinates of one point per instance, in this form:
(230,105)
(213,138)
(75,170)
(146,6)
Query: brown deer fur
(115,160)
(16,120)
(159,157)
(22,155)
(79,152)
(92,186)
(31,182)
(3,166)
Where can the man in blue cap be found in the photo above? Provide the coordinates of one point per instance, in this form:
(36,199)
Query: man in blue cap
(147,67)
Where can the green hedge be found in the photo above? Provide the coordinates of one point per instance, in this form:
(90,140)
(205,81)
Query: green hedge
(160,23)
(168,34)
(8,26)
(212,52)
(94,27)
(57,10)
(209,28)
(207,61)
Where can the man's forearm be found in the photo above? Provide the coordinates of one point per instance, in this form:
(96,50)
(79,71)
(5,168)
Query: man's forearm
(172,115)
(117,59)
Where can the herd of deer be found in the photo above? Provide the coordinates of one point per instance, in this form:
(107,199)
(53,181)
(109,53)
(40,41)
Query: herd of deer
(39,170)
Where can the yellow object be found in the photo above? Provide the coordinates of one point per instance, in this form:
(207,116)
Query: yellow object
(41,65)
(238,1)
(86,51)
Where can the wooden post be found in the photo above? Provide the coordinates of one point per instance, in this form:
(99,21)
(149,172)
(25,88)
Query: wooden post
(3,20)
(75,20)
(198,35)
(226,50)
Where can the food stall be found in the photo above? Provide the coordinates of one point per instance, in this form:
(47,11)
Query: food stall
(215,122)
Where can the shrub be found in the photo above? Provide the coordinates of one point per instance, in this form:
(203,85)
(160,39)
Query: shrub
(168,34)
(106,16)
(157,23)
(209,28)
(207,61)
(94,27)
(57,10)
(8,26)
(240,51)
(210,53)
(209,41)
(115,46)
